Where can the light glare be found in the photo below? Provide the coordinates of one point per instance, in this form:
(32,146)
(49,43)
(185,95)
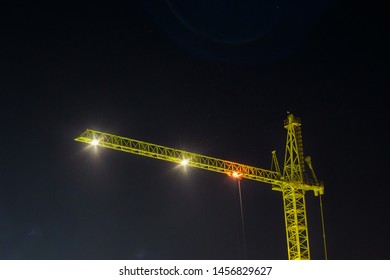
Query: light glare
(184,162)
(236,175)
(94,142)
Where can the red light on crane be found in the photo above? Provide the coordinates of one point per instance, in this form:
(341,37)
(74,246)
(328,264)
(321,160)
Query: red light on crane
(236,175)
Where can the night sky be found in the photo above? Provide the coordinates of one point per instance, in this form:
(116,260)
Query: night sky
(211,77)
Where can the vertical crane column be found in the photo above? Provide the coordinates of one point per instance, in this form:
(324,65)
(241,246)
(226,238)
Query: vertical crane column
(294,195)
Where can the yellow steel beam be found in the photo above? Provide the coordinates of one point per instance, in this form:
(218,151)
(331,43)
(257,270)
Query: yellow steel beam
(177,156)
(142,148)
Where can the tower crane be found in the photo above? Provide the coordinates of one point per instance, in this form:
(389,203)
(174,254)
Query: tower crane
(291,182)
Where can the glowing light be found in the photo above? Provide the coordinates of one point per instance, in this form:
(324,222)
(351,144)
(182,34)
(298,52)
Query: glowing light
(94,142)
(236,175)
(184,162)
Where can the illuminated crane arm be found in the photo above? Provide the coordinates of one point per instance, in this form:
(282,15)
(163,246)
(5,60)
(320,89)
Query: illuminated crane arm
(142,148)
(178,156)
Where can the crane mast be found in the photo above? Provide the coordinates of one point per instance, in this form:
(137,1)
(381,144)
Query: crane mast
(290,183)
(293,196)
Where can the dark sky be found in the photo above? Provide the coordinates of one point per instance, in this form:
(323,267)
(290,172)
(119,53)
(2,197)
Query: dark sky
(211,78)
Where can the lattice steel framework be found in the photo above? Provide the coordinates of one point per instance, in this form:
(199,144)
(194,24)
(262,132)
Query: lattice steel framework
(290,183)
(293,196)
